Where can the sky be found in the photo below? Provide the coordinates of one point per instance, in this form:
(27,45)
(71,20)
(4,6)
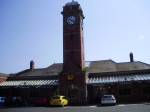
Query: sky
(33,30)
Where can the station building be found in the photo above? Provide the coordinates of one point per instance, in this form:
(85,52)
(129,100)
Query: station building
(83,82)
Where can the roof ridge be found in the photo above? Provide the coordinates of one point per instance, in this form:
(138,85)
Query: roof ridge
(102,60)
(126,62)
(143,63)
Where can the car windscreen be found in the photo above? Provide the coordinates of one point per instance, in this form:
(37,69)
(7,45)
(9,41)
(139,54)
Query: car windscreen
(107,96)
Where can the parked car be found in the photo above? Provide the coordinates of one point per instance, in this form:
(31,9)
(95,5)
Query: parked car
(59,101)
(108,100)
(2,101)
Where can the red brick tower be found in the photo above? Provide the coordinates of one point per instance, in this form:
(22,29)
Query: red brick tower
(72,79)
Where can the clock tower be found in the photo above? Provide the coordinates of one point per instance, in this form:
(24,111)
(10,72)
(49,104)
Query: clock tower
(72,81)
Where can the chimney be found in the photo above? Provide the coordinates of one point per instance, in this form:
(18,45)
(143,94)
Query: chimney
(131,57)
(31,65)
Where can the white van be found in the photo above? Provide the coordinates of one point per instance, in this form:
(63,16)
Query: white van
(108,100)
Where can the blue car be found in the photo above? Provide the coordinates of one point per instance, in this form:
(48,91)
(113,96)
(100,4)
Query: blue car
(2,101)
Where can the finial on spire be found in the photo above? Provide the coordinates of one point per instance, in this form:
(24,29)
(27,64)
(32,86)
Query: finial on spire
(73,2)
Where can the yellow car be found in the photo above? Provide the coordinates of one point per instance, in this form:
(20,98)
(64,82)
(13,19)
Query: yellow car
(58,101)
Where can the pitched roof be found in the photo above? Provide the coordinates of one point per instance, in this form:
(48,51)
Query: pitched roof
(3,75)
(54,69)
(101,66)
(127,66)
(111,66)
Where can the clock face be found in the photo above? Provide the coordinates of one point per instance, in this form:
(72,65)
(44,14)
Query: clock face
(71,20)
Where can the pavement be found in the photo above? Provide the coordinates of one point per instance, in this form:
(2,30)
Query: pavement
(145,107)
